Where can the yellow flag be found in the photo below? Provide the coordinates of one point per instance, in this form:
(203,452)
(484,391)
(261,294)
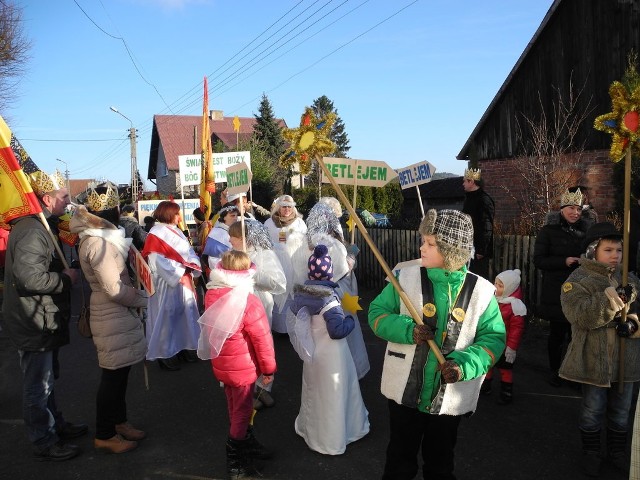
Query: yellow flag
(207,178)
(17,199)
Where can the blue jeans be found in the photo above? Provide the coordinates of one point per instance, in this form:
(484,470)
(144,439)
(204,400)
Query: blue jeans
(598,401)
(39,410)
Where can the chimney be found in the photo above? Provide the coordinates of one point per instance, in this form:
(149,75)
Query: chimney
(216,114)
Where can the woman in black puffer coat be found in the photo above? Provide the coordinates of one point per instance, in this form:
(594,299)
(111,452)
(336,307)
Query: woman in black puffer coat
(558,247)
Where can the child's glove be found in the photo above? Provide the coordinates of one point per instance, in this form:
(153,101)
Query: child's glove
(629,327)
(627,293)
(451,372)
(614,299)
(421,334)
(510,355)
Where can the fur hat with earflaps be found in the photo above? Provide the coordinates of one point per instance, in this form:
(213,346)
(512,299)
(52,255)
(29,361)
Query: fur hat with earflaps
(454,236)
(597,232)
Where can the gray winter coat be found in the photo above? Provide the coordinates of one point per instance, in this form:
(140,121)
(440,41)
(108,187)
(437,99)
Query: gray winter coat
(36,306)
(592,355)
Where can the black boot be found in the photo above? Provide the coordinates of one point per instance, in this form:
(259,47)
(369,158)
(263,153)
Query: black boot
(617,449)
(255,449)
(591,458)
(485,388)
(170,364)
(506,393)
(239,464)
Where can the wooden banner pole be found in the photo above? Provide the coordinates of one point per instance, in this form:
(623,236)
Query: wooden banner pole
(403,296)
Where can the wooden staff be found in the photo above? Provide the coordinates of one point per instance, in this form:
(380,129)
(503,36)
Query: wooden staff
(355,188)
(625,258)
(56,244)
(403,296)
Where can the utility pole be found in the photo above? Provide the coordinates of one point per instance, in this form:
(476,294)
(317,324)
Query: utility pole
(134,166)
(66,174)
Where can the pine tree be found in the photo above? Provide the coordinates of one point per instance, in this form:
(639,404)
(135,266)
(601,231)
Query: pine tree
(267,130)
(321,107)
(268,133)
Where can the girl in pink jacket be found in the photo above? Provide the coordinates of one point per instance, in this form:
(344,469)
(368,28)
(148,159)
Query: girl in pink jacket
(513,310)
(235,335)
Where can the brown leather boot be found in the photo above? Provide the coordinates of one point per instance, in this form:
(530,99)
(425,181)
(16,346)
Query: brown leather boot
(115,444)
(129,432)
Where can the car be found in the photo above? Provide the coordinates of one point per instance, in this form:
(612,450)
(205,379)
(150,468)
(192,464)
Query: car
(382,220)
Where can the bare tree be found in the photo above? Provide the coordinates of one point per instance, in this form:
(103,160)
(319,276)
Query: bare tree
(550,157)
(14,49)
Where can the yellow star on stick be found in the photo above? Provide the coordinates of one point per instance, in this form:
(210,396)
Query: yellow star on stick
(623,123)
(307,141)
(351,224)
(350,303)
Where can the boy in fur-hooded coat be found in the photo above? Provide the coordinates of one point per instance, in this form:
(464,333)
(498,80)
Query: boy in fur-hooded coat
(593,299)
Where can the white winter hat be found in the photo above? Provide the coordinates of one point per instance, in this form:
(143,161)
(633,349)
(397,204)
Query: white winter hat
(235,196)
(511,281)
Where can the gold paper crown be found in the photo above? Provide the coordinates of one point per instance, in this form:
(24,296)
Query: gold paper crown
(571,198)
(43,183)
(472,174)
(98,202)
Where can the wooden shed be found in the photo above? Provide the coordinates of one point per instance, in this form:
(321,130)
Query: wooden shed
(580,43)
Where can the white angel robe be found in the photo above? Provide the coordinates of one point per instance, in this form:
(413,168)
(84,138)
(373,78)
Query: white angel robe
(332,412)
(285,242)
(345,278)
(172,312)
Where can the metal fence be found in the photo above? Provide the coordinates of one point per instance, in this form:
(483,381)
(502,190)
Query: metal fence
(509,252)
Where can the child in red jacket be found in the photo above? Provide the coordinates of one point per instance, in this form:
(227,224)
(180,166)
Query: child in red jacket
(513,310)
(235,335)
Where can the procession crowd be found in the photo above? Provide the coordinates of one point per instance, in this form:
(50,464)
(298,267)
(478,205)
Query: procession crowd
(247,273)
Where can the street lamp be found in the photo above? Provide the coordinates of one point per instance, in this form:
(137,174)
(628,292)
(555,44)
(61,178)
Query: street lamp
(134,167)
(66,173)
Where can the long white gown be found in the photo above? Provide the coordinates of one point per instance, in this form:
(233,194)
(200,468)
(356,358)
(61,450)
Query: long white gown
(172,312)
(332,412)
(345,278)
(284,241)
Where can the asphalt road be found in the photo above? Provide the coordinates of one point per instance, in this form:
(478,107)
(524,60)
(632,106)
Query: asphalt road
(184,414)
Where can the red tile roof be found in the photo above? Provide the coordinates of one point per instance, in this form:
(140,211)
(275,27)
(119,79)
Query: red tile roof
(175,133)
(79,185)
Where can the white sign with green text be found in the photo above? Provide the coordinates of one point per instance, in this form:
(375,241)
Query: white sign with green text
(238,178)
(190,170)
(363,173)
(222,161)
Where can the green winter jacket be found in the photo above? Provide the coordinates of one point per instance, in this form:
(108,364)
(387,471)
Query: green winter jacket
(388,323)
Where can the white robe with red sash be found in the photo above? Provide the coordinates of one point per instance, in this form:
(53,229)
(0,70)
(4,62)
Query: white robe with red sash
(172,316)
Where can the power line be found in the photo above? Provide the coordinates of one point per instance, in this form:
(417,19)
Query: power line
(126,47)
(192,98)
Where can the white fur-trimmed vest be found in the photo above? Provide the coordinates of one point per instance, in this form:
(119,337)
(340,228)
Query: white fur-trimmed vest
(403,370)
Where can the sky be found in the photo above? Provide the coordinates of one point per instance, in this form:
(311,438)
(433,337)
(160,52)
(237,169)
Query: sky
(410,79)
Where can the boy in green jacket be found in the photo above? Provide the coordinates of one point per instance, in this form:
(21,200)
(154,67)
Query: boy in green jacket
(460,313)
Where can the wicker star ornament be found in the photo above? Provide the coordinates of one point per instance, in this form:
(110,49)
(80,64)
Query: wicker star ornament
(309,140)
